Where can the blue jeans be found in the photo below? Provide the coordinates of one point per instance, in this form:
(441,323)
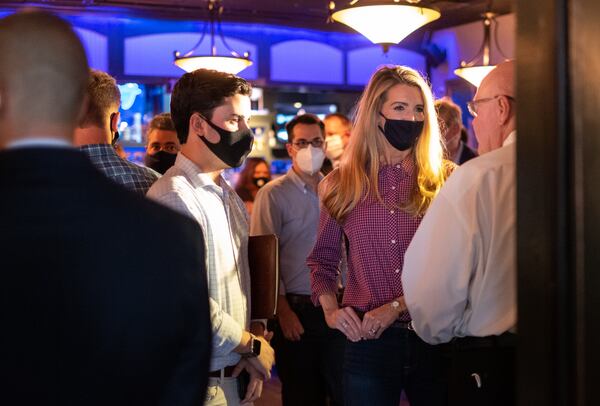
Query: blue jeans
(376,371)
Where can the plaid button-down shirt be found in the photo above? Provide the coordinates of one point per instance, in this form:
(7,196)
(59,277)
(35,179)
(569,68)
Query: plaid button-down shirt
(378,237)
(224,222)
(133,177)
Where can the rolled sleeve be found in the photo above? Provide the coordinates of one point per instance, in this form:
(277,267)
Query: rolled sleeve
(227,333)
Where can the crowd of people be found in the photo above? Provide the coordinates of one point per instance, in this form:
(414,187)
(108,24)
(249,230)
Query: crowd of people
(397,265)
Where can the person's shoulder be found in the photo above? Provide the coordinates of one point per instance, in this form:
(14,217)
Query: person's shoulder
(448,167)
(480,170)
(275,185)
(272,193)
(141,170)
(157,216)
(173,181)
(490,161)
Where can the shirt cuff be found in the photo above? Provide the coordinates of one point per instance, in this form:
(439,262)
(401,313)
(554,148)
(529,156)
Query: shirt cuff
(321,288)
(226,336)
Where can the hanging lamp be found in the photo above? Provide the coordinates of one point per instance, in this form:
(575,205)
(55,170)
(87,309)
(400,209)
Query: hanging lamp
(230,63)
(472,71)
(383,22)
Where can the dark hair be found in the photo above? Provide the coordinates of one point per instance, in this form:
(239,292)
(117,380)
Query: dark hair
(303,119)
(103,95)
(161,121)
(201,91)
(244,184)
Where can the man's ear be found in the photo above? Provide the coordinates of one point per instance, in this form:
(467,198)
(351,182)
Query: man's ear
(197,124)
(504,110)
(289,147)
(115,118)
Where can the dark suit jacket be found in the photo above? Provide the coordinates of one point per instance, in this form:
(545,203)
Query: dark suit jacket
(466,154)
(104,292)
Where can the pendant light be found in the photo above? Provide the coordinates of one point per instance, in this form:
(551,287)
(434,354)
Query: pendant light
(384,22)
(230,63)
(477,68)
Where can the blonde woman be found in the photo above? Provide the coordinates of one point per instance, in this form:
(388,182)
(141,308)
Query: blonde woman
(392,170)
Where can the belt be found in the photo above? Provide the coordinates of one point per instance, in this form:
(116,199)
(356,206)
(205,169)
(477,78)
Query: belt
(227,371)
(396,324)
(500,341)
(295,299)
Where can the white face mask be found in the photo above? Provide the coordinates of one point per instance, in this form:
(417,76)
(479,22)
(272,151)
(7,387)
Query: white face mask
(335,146)
(310,159)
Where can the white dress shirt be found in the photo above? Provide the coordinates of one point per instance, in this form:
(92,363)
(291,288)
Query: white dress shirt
(459,273)
(224,222)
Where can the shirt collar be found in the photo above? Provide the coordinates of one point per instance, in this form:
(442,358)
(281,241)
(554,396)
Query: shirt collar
(512,137)
(98,150)
(39,141)
(198,178)
(297,180)
(405,167)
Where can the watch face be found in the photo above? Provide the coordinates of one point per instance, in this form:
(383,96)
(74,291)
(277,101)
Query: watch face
(395,304)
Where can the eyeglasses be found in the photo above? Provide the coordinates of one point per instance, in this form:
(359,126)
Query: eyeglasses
(472,105)
(301,144)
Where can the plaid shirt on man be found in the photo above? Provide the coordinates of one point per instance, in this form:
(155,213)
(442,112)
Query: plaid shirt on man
(133,177)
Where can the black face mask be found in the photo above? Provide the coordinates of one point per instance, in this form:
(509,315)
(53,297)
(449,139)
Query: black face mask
(233,147)
(260,182)
(401,134)
(160,162)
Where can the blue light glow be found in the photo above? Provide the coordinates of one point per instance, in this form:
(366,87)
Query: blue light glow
(129,91)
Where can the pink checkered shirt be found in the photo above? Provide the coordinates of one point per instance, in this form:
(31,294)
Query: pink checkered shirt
(378,238)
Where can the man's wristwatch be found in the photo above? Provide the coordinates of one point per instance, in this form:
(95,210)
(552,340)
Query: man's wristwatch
(254,348)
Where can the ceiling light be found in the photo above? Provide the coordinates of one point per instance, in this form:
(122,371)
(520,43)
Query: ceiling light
(384,22)
(473,71)
(230,63)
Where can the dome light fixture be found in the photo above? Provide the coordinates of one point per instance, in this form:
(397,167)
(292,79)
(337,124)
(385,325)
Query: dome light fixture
(231,63)
(384,22)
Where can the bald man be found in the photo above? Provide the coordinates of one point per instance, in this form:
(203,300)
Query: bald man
(459,271)
(91,314)
(337,136)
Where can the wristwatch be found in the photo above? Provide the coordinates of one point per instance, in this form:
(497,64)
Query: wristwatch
(254,348)
(395,305)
